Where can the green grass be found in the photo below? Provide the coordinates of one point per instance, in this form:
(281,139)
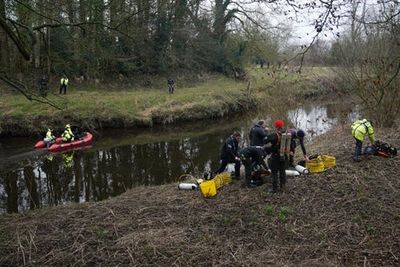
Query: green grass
(123,102)
(283,213)
(269,210)
(131,105)
(102,233)
(214,96)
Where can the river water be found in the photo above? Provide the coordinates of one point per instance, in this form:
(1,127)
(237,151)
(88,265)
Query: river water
(122,159)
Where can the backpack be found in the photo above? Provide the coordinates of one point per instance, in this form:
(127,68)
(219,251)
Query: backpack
(285,144)
(385,150)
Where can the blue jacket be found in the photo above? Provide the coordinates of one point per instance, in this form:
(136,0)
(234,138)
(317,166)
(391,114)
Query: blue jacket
(257,135)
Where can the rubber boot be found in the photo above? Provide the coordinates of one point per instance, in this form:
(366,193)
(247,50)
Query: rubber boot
(282,186)
(274,188)
(291,160)
(357,151)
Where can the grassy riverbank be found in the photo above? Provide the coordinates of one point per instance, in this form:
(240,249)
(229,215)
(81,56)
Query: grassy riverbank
(214,96)
(347,216)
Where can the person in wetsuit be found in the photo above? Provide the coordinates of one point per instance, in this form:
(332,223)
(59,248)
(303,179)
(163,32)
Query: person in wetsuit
(250,156)
(229,154)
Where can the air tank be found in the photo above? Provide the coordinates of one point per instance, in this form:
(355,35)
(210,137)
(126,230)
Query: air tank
(292,173)
(187,186)
(301,169)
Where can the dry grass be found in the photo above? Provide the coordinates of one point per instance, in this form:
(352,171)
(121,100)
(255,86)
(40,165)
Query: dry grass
(349,215)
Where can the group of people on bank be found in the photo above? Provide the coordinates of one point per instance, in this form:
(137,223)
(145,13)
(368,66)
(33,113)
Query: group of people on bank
(263,143)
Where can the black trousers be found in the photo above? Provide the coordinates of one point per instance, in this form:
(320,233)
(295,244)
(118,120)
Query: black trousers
(278,171)
(358,148)
(170,88)
(225,162)
(291,160)
(63,87)
(247,163)
(43,91)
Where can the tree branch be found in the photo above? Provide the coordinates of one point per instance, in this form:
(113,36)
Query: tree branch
(24,91)
(17,41)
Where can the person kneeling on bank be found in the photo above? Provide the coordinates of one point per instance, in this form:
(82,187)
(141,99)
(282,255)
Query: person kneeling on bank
(229,154)
(250,156)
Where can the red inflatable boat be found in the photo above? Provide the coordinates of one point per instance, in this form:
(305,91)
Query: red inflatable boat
(59,145)
(42,144)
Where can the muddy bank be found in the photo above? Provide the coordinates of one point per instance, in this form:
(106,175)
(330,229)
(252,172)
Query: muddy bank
(348,215)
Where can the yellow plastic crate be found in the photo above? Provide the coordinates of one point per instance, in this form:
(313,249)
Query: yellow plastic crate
(208,188)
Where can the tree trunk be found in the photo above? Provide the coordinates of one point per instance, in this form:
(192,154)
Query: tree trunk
(219,18)
(179,34)
(4,48)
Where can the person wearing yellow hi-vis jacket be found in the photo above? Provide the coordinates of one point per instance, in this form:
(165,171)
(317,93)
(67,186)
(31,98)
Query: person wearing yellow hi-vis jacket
(50,138)
(359,129)
(67,135)
(63,84)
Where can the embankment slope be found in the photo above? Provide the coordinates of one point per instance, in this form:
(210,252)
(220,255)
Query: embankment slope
(349,215)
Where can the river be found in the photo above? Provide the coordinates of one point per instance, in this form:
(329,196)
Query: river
(122,159)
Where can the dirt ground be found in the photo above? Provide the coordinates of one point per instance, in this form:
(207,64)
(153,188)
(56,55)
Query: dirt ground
(348,215)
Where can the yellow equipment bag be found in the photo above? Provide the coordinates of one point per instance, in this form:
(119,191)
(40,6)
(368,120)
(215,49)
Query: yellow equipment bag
(208,188)
(329,161)
(222,179)
(315,165)
(321,163)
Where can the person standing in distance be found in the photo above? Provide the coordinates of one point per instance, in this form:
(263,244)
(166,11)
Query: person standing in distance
(43,86)
(63,84)
(171,85)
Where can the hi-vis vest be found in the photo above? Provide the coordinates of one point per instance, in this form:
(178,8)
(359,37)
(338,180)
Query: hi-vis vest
(50,136)
(67,135)
(64,81)
(362,127)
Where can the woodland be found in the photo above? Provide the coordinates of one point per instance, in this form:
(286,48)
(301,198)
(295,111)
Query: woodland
(111,41)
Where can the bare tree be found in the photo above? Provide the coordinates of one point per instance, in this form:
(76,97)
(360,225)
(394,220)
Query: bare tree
(370,61)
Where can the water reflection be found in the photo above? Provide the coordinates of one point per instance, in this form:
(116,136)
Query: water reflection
(314,120)
(122,159)
(97,174)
